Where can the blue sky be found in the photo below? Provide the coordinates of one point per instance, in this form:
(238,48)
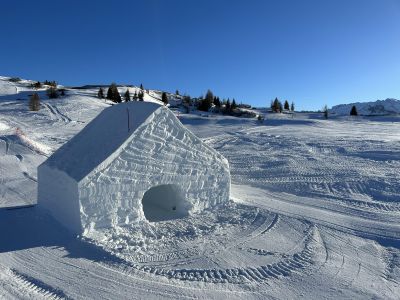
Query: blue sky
(311,52)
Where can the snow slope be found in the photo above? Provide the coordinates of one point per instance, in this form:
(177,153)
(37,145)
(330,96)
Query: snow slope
(376,108)
(315,213)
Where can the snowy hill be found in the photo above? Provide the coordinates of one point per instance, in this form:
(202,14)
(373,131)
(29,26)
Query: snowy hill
(375,108)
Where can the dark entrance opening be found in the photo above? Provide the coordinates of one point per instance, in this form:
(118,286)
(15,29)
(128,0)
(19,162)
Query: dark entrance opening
(164,202)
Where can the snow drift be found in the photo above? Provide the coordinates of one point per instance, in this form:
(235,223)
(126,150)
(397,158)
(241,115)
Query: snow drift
(134,162)
(376,108)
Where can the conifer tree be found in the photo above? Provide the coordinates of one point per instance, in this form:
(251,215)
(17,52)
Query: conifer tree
(135,96)
(113,94)
(118,98)
(286,105)
(209,98)
(325,111)
(228,106)
(353,111)
(141,95)
(100,93)
(127,96)
(292,106)
(233,106)
(34,102)
(207,102)
(141,87)
(164,98)
(277,106)
(280,108)
(217,102)
(177,92)
(110,91)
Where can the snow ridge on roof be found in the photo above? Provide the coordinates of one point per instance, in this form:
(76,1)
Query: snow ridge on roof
(100,138)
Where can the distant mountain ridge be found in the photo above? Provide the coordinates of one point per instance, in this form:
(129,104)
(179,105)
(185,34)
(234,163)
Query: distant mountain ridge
(389,106)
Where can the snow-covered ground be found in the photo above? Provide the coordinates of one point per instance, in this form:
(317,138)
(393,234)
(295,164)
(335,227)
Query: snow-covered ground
(314,213)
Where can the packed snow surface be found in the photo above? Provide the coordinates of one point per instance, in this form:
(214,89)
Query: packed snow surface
(314,213)
(376,108)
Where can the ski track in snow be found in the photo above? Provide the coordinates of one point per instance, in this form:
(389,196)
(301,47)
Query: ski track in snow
(315,213)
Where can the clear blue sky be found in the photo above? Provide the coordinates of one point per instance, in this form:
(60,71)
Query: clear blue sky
(311,52)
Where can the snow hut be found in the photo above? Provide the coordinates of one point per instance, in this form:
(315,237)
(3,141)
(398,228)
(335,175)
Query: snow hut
(134,162)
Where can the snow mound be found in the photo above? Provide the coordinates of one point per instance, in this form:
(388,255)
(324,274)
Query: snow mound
(375,108)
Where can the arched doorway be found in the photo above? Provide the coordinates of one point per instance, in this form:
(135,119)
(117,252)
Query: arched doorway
(164,202)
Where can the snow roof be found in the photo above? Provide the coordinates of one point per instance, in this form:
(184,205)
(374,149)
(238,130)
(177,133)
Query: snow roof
(100,138)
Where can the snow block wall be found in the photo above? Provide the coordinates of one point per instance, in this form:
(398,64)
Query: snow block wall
(111,175)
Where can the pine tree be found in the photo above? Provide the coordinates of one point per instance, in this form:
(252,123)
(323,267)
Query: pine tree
(277,106)
(353,111)
(100,93)
(228,106)
(110,91)
(34,102)
(209,98)
(177,92)
(164,98)
(207,102)
(286,105)
(141,87)
(233,106)
(325,111)
(141,95)
(135,96)
(113,94)
(118,98)
(127,96)
(292,106)
(217,102)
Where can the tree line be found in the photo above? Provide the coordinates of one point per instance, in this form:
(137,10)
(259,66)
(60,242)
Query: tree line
(114,95)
